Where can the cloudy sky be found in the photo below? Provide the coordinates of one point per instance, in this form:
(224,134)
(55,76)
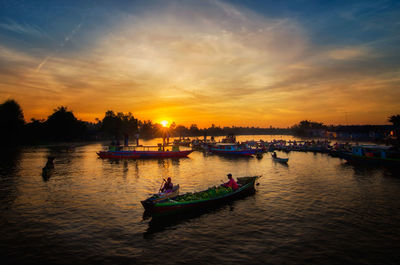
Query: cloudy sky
(255,63)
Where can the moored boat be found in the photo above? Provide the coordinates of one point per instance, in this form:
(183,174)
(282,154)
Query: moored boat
(121,152)
(231,149)
(378,154)
(158,197)
(209,198)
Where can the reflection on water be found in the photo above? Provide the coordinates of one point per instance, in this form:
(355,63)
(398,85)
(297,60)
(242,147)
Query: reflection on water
(314,210)
(159,224)
(9,166)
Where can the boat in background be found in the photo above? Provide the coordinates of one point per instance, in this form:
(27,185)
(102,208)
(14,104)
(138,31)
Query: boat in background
(132,152)
(232,149)
(280,160)
(379,154)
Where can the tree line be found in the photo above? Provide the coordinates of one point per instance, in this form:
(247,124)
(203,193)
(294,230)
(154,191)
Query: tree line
(63,126)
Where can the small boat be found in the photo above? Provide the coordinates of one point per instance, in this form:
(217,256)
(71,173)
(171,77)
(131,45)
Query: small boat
(280,160)
(149,202)
(132,152)
(231,149)
(48,169)
(205,199)
(47,172)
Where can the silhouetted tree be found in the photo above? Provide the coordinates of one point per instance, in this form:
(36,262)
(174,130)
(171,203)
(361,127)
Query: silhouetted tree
(35,131)
(194,130)
(305,126)
(117,125)
(11,122)
(181,131)
(63,126)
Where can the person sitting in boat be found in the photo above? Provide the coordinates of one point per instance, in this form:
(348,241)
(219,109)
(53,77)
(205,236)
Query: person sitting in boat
(231,183)
(168,186)
(274,155)
(49,163)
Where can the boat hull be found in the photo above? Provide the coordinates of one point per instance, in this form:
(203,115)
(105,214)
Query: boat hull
(280,160)
(143,154)
(163,208)
(373,160)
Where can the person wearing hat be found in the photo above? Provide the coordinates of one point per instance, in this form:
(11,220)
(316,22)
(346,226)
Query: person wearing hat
(168,186)
(231,183)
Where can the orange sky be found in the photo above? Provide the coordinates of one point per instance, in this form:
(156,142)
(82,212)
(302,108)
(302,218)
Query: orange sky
(231,66)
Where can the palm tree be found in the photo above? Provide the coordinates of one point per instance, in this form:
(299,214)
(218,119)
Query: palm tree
(395,119)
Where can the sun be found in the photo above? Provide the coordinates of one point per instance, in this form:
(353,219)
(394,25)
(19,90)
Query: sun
(164,123)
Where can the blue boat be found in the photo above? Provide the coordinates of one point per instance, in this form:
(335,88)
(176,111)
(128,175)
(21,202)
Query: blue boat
(232,149)
(380,154)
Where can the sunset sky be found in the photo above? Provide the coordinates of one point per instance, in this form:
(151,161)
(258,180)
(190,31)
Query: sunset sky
(243,63)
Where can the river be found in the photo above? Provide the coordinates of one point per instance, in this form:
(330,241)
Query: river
(314,210)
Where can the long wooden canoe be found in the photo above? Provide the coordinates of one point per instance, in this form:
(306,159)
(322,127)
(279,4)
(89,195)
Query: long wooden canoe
(175,205)
(149,202)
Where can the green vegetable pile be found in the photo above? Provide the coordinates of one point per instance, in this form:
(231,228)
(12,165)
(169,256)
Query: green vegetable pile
(207,194)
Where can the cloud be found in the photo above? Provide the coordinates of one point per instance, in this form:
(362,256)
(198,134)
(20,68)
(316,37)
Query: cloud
(24,28)
(348,53)
(215,63)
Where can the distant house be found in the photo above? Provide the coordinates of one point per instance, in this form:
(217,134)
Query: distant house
(316,132)
(360,132)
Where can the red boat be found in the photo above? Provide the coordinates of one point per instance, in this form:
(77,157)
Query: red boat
(132,152)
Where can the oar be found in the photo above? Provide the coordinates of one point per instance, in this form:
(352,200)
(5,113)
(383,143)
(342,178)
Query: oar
(161,185)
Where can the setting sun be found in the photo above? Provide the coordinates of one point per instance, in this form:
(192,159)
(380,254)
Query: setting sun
(164,123)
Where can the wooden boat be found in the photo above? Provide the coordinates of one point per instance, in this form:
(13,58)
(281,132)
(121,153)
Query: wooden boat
(158,197)
(204,199)
(231,149)
(375,154)
(121,152)
(47,172)
(280,160)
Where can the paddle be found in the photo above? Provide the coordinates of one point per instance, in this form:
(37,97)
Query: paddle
(223,183)
(161,184)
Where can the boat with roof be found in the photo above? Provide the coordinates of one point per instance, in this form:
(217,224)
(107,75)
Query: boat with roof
(132,152)
(381,154)
(232,149)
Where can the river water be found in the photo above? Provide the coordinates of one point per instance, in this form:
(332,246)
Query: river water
(315,210)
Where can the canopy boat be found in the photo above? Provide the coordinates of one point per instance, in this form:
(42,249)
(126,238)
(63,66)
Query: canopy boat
(209,198)
(158,197)
(378,154)
(231,149)
(159,151)
(281,160)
